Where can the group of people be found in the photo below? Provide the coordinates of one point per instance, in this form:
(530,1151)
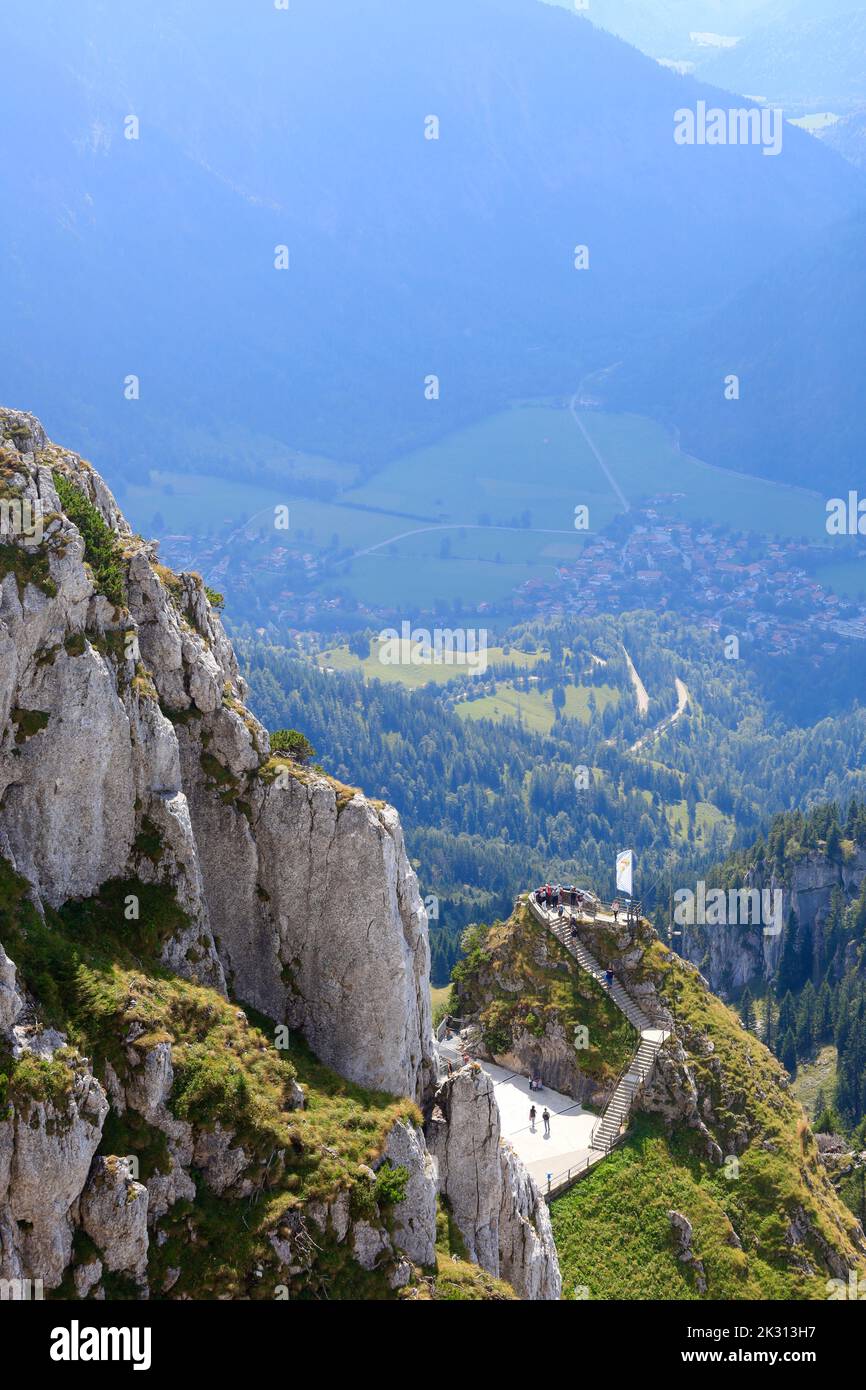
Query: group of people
(545,1116)
(554,895)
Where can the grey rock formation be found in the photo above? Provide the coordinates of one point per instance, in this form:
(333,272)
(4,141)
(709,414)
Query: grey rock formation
(320,921)
(127,752)
(414,1219)
(46,1148)
(527,1254)
(463,1137)
(119,727)
(11,999)
(497,1206)
(553,1058)
(114,1215)
(731,956)
(682,1231)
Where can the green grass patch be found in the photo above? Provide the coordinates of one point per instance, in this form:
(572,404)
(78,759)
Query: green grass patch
(101,547)
(30,566)
(28,722)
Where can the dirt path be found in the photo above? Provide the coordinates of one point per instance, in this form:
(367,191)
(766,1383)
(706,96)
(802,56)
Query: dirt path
(614,485)
(683,698)
(639,688)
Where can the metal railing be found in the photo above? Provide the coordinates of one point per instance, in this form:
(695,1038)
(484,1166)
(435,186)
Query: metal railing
(560,1182)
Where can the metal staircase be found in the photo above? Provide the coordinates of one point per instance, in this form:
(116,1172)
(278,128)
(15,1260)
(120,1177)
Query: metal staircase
(614,1118)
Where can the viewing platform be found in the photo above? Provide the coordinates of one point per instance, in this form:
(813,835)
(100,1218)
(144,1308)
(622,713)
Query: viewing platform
(578,1138)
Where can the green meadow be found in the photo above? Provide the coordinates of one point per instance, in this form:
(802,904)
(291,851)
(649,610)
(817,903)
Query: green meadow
(534,708)
(341,659)
(469,519)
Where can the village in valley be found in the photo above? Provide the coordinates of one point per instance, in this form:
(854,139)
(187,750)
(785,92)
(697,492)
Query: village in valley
(764,591)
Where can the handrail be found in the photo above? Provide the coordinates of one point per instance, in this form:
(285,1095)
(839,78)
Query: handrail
(559,928)
(641,1070)
(566,1176)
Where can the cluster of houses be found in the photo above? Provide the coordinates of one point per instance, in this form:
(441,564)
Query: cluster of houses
(764,590)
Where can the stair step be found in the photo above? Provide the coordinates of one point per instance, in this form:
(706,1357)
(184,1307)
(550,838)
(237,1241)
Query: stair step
(615,1115)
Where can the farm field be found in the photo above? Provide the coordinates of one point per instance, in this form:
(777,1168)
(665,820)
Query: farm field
(194,503)
(495,504)
(535,707)
(468,520)
(341,659)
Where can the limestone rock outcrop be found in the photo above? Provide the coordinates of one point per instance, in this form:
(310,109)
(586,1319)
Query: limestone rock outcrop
(128,756)
(126,750)
(414,1219)
(47,1144)
(114,1215)
(497,1206)
(527,1254)
(731,956)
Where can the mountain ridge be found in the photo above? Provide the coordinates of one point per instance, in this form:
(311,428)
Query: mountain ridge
(162,865)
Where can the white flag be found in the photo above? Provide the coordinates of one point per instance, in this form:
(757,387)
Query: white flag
(625,871)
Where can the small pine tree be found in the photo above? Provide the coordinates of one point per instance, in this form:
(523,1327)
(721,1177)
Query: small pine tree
(788,1052)
(787,1015)
(292,743)
(747,1010)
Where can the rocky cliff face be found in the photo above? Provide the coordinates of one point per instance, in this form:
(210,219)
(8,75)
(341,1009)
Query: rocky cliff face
(732,956)
(127,752)
(496,1204)
(156,861)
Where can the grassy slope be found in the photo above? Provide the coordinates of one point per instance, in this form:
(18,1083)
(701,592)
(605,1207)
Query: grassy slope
(535,707)
(776,1173)
(341,659)
(96,976)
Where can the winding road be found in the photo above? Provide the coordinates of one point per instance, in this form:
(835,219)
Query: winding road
(668,722)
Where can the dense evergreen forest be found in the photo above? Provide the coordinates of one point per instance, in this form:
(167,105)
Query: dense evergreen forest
(818,994)
(490,807)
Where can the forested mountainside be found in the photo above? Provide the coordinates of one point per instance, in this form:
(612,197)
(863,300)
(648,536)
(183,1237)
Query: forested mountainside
(770,429)
(223,165)
(848,137)
(803,991)
(805,57)
(205,1090)
(492,804)
(720,1192)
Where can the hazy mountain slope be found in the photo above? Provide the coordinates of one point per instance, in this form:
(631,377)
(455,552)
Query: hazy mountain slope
(789,338)
(807,57)
(848,138)
(408,256)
